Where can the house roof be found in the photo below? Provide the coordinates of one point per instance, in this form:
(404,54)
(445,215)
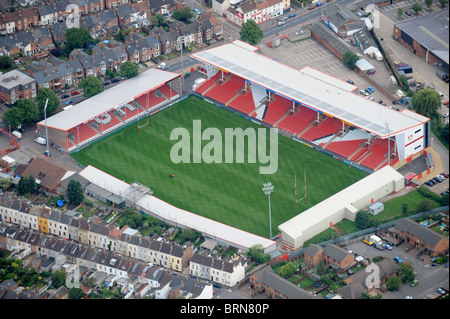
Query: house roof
(339,15)
(312,250)
(425,234)
(335,252)
(47,172)
(267,276)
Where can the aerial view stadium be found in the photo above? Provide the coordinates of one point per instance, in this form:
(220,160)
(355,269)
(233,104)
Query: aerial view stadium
(326,142)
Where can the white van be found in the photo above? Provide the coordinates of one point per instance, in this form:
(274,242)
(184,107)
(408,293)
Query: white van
(40,140)
(17,134)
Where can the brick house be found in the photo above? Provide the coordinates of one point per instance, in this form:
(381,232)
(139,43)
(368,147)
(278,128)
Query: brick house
(101,23)
(23,19)
(89,6)
(111,4)
(142,49)
(15,86)
(337,257)
(421,237)
(313,255)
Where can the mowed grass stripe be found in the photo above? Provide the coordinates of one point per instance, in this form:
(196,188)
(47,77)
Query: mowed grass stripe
(229,193)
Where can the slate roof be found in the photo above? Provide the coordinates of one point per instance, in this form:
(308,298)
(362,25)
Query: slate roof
(425,234)
(335,252)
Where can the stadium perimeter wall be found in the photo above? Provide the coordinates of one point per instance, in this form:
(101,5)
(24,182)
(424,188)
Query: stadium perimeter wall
(344,204)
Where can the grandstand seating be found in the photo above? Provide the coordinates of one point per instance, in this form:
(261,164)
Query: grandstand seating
(225,92)
(167,91)
(207,84)
(243,103)
(344,148)
(150,100)
(297,123)
(277,109)
(378,155)
(86,133)
(114,121)
(326,127)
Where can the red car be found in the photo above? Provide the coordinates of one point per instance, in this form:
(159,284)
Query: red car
(445,103)
(75,93)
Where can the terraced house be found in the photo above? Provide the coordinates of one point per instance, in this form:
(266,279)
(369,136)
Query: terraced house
(141,49)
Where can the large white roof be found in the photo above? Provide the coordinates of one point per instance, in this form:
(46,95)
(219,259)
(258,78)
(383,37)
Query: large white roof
(315,89)
(109,99)
(158,207)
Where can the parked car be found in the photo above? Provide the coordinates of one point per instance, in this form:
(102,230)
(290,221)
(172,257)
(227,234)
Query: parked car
(445,174)
(350,81)
(311,7)
(445,115)
(371,89)
(292,15)
(446,103)
(65,96)
(115,80)
(440,291)
(398,259)
(106,83)
(69,102)
(75,93)
(387,246)
(163,66)
(414,283)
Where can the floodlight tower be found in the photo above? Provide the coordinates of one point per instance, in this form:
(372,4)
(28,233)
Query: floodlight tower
(268,189)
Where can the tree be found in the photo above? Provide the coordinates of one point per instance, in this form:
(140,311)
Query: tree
(77,38)
(394,283)
(350,59)
(257,253)
(91,86)
(251,32)
(362,220)
(416,7)
(425,206)
(26,185)
(443,2)
(444,200)
(406,272)
(59,277)
(189,234)
(5,62)
(75,192)
(287,270)
(53,101)
(76,293)
(426,102)
(157,19)
(399,12)
(129,69)
(12,117)
(428,3)
(183,14)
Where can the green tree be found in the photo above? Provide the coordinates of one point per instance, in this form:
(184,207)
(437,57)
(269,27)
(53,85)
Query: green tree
(5,62)
(26,185)
(129,69)
(12,117)
(416,7)
(257,253)
(77,38)
(59,277)
(287,270)
(183,14)
(189,234)
(362,220)
(53,101)
(406,272)
(157,19)
(443,3)
(29,111)
(251,32)
(425,205)
(91,86)
(350,59)
(399,12)
(444,200)
(394,283)
(426,102)
(76,293)
(428,3)
(75,192)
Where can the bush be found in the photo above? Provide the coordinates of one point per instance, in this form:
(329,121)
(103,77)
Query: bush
(429,194)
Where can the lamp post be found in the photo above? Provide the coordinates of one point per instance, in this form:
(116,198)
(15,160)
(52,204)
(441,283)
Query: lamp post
(46,128)
(268,189)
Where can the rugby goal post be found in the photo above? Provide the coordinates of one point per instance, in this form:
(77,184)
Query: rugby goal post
(295,185)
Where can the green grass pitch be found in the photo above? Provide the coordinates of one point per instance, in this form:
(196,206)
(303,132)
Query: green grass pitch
(228,193)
